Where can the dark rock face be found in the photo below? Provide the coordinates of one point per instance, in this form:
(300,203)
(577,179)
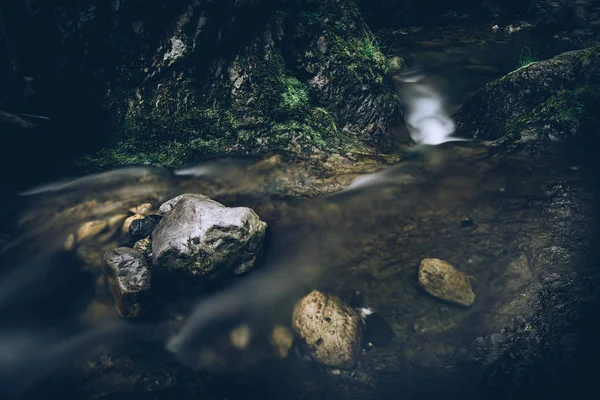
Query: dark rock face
(200,237)
(551,16)
(128,278)
(395,14)
(539,105)
(142,228)
(180,80)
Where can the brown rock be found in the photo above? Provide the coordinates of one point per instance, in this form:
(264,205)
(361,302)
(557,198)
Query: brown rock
(445,282)
(90,229)
(281,340)
(69,242)
(143,209)
(331,329)
(116,221)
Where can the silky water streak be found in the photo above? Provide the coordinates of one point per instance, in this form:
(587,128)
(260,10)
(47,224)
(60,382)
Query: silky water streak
(426,116)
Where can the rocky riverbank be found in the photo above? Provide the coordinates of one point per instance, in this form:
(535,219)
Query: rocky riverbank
(461,270)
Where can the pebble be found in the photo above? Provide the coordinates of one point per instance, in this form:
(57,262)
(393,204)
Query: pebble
(281,340)
(90,229)
(442,280)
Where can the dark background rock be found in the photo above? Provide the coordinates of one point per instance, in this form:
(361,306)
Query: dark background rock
(393,14)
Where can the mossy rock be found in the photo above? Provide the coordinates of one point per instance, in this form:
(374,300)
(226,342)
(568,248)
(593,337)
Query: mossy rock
(551,101)
(312,78)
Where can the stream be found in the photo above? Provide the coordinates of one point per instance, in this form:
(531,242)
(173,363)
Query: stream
(355,226)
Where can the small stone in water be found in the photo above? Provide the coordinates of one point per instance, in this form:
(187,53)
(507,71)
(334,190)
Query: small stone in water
(240,337)
(116,221)
(142,209)
(442,280)
(90,229)
(281,340)
(331,330)
(69,242)
(143,227)
(128,279)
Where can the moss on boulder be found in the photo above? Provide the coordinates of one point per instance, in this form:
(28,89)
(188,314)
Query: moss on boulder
(312,78)
(552,101)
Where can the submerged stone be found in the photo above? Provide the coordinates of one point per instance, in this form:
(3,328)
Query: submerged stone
(128,278)
(331,330)
(90,230)
(142,209)
(281,340)
(445,282)
(201,237)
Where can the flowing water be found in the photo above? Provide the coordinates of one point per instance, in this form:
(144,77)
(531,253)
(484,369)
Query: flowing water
(354,227)
(462,59)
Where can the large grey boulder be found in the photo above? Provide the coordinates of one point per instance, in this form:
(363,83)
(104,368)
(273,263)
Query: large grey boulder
(201,237)
(128,279)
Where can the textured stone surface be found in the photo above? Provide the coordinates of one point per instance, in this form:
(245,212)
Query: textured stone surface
(442,280)
(143,227)
(128,221)
(168,205)
(539,105)
(199,236)
(128,279)
(331,329)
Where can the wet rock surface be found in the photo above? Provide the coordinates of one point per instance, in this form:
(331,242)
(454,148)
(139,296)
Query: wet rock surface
(261,76)
(527,256)
(142,228)
(201,237)
(330,329)
(128,279)
(444,281)
(552,101)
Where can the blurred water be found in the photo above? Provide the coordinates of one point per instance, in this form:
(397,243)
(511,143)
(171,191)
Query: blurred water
(343,226)
(462,59)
